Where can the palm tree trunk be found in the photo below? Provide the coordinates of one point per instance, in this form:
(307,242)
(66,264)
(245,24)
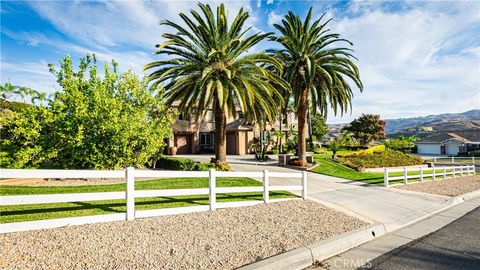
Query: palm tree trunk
(302,125)
(220,134)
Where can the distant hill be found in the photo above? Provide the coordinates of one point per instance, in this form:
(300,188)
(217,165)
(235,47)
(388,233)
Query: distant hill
(426,125)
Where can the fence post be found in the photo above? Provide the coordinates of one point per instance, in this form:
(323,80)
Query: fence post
(385,177)
(421,174)
(434,160)
(461,170)
(444,172)
(130,193)
(265,186)
(453,171)
(212,197)
(453,160)
(304,184)
(405,177)
(433,173)
(473,160)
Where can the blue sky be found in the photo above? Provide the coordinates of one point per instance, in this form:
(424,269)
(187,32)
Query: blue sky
(415,57)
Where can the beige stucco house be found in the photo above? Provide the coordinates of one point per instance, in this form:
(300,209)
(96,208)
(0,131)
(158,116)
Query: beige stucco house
(196,137)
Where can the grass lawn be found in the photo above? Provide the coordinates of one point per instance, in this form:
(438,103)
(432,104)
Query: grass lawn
(61,210)
(329,167)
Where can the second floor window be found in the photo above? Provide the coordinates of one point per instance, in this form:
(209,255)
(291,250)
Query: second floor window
(184,117)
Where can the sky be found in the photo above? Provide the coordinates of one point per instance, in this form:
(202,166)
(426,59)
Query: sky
(415,57)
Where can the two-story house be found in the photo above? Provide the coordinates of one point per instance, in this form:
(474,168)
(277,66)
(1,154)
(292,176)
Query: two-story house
(197,136)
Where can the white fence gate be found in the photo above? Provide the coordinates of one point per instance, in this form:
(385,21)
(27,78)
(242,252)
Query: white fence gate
(130,174)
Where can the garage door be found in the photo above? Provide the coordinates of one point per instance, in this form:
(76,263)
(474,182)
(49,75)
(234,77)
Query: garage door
(183,144)
(428,149)
(232,143)
(451,149)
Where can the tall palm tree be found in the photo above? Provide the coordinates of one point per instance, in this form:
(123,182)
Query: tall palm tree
(315,68)
(209,67)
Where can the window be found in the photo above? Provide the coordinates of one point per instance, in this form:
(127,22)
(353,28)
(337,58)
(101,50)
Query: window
(184,117)
(205,138)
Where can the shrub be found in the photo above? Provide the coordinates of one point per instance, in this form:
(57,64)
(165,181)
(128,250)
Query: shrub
(175,164)
(387,158)
(203,166)
(319,150)
(222,166)
(372,150)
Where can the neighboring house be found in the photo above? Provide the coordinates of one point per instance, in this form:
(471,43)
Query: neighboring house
(197,137)
(451,143)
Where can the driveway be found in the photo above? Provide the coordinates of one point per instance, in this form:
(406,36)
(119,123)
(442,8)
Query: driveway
(370,202)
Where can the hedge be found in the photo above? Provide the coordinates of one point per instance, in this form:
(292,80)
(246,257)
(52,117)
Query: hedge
(175,164)
(387,158)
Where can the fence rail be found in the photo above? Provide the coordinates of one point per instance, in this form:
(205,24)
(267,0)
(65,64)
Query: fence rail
(458,160)
(421,174)
(130,194)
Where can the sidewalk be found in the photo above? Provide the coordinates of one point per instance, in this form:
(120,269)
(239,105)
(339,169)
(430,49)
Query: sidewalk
(385,251)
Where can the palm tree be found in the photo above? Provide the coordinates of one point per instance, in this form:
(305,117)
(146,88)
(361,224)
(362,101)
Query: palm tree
(210,68)
(316,69)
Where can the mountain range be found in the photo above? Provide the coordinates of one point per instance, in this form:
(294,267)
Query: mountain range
(423,126)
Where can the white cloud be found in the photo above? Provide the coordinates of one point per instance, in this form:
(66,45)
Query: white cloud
(421,61)
(274,18)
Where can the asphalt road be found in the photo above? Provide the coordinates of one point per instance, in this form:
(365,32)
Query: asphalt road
(455,246)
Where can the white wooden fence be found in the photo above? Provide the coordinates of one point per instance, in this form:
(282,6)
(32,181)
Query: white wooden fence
(130,174)
(464,160)
(421,173)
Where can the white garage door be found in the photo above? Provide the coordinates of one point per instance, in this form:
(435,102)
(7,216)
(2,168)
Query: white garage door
(428,149)
(451,149)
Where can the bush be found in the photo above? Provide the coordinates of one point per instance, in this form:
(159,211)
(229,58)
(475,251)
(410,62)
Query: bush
(372,150)
(320,150)
(222,166)
(175,164)
(387,158)
(203,166)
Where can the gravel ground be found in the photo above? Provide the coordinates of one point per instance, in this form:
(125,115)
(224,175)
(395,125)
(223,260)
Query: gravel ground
(221,239)
(449,187)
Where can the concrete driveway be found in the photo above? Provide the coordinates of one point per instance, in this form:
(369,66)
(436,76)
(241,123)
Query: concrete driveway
(369,202)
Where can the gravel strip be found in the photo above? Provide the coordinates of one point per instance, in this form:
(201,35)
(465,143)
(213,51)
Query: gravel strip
(221,239)
(449,187)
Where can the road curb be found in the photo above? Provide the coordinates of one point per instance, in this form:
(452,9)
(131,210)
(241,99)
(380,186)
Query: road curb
(305,256)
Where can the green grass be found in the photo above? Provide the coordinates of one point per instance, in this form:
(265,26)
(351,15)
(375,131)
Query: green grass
(61,210)
(331,168)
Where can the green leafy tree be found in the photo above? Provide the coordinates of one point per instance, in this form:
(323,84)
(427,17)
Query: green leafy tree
(316,68)
(401,143)
(367,128)
(338,144)
(209,67)
(95,121)
(319,126)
